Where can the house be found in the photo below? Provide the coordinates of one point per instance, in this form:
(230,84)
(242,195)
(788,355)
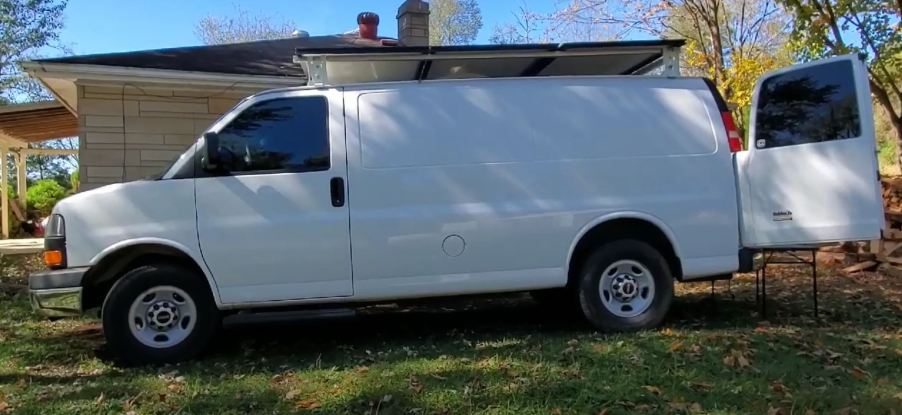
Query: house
(137,111)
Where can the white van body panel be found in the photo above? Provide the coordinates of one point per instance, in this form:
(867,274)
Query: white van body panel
(102,221)
(535,163)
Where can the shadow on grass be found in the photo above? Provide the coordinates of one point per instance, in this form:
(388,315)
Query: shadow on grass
(508,353)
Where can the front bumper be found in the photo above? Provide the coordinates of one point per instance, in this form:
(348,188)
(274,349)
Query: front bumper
(56,293)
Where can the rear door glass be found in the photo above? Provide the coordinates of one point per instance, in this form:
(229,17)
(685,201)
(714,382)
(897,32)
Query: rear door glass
(808,105)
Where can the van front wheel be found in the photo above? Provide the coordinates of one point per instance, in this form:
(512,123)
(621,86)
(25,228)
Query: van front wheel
(159,314)
(625,285)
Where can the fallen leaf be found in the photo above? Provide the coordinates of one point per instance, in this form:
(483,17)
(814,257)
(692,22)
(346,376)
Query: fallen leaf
(414,385)
(604,411)
(308,404)
(675,346)
(667,331)
(292,394)
(654,390)
(701,386)
(776,411)
(362,369)
(858,373)
(778,387)
(695,407)
(4,407)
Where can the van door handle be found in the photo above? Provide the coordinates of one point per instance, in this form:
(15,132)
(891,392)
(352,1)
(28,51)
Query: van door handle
(337,185)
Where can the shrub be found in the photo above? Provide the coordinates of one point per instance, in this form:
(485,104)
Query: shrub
(44,194)
(74,180)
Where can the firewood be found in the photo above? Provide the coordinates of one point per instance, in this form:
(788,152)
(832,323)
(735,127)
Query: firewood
(876,246)
(893,215)
(861,266)
(892,234)
(895,260)
(890,248)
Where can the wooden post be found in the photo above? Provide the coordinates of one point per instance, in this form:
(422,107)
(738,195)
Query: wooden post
(21,179)
(4,197)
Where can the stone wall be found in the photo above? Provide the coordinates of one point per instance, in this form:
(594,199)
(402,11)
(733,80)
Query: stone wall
(130,132)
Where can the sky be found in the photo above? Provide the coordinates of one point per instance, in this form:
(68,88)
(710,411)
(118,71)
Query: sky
(103,26)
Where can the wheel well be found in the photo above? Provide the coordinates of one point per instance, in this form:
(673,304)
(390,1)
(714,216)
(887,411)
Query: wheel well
(624,228)
(100,278)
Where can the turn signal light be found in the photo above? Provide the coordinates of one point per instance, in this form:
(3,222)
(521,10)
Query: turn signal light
(53,258)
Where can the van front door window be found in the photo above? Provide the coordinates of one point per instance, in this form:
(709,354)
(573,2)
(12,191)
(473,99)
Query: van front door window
(275,136)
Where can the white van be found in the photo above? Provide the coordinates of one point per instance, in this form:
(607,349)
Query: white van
(607,188)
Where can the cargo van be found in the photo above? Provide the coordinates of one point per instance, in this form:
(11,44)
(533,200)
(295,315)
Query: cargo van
(606,189)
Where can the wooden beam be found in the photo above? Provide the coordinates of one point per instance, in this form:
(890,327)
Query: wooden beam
(50,151)
(21,181)
(4,195)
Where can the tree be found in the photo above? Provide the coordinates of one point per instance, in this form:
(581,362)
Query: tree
(527,27)
(454,22)
(870,28)
(26,26)
(241,27)
(57,167)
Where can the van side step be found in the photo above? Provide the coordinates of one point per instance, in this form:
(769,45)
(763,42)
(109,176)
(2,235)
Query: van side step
(286,317)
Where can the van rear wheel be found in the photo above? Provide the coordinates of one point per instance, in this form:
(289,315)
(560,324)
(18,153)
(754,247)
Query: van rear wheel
(159,314)
(625,285)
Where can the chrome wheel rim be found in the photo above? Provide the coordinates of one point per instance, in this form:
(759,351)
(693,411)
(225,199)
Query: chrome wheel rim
(162,316)
(627,288)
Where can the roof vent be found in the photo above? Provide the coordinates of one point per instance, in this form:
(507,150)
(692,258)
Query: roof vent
(300,33)
(369,25)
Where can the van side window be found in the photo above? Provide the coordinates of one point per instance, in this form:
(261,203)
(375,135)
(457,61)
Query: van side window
(275,136)
(808,105)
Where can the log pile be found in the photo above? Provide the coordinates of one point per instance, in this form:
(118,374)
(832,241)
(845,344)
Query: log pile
(883,255)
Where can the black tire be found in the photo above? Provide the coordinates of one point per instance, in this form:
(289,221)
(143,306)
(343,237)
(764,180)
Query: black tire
(116,306)
(590,277)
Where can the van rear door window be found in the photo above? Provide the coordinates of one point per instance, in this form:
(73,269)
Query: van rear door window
(808,105)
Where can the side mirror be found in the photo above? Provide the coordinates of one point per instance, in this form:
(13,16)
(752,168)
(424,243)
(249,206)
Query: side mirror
(210,160)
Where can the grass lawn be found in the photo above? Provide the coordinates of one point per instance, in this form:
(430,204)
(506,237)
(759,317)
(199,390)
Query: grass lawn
(503,355)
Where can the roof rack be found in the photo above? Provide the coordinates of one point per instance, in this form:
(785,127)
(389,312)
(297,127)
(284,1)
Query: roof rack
(338,66)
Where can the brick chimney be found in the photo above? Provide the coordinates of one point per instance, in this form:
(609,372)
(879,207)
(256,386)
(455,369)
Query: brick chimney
(413,23)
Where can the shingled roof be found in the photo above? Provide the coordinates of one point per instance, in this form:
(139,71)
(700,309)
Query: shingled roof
(264,57)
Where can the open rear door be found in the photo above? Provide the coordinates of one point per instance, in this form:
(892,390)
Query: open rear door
(810,176)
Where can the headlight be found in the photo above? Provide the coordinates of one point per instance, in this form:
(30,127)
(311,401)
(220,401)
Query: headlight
(56,227)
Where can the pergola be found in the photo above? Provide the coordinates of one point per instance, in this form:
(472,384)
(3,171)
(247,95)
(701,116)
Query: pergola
(24,124)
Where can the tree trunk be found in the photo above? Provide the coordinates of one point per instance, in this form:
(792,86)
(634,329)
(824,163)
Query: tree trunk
(884,100)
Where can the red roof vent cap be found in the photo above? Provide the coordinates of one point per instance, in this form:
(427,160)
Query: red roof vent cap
(369,25)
